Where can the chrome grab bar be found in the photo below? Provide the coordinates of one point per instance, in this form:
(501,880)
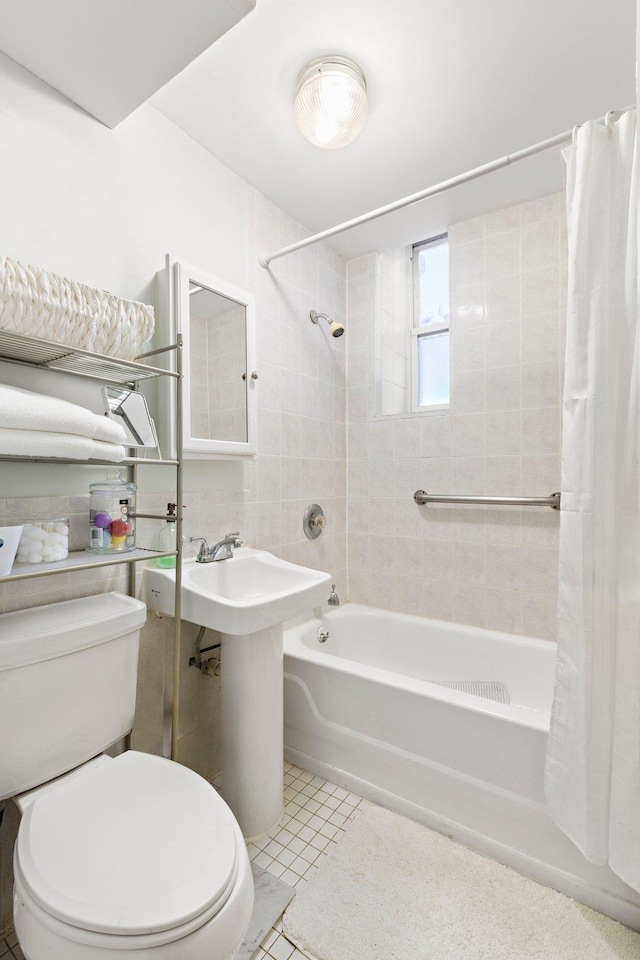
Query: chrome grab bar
(553,500)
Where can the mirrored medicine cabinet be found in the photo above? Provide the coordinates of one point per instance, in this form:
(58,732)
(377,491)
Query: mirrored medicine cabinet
(217,323)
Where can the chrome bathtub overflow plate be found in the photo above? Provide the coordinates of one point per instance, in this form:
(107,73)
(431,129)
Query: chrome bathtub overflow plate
(314,521)
(323,634)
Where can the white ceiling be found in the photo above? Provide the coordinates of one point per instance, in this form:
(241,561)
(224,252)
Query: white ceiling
(109,56)
(452,84)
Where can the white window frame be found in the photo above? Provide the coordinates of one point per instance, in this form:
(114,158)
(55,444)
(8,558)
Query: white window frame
(417,332)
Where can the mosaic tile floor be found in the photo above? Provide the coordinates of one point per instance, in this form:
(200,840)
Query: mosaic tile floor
(9,949)
(317,814)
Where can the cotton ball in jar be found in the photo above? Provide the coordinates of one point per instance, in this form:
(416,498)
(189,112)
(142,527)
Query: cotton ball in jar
(35,533)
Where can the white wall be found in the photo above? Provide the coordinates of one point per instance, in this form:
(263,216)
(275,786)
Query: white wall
(104,207)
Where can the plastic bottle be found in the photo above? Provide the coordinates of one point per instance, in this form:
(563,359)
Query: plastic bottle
(166,539)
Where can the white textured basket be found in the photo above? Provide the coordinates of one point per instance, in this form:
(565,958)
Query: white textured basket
(41,304)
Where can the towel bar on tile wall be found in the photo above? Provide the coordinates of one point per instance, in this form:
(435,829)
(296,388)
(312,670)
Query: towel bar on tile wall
(553,500)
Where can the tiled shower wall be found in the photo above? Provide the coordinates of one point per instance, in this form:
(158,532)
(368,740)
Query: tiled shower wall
(392,345)
(301,459)
(492,567)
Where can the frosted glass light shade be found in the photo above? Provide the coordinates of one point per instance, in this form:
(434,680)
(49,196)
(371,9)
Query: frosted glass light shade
(331,102)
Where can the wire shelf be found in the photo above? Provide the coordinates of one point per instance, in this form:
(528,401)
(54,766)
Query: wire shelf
(17,348)
(127,462)
(81,560)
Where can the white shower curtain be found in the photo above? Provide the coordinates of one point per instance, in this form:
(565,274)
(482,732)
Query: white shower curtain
(593,759)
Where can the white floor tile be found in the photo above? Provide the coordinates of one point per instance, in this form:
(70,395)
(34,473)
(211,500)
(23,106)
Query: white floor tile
(287,857)
(263,860)
(297,846)
(315,822)
(310,854)
(303,816)
(300,866)
(281,949)
(319,842)
(273,848)
(290,877)
(307,833)
(270,938)
(284,837)
(327,830)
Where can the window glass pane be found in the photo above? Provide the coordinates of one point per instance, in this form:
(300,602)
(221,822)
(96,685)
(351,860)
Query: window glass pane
(433,271)
(433,368)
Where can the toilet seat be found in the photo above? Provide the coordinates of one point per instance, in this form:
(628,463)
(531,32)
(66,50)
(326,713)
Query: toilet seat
(139,848)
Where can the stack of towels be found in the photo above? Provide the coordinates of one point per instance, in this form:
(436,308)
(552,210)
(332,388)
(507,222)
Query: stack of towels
(35,425)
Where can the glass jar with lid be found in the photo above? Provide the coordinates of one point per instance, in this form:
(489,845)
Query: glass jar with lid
(112,507)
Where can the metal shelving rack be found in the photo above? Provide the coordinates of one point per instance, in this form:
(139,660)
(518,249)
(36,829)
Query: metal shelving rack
(48,355)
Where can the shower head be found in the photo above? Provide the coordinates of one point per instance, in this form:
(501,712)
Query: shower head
(336,329)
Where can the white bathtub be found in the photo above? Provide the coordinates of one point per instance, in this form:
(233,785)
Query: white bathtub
(363,710)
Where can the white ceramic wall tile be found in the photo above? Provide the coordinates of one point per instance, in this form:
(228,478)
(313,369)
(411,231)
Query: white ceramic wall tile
(494,567)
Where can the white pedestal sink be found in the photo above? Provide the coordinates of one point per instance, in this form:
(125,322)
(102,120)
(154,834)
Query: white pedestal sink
(247,599)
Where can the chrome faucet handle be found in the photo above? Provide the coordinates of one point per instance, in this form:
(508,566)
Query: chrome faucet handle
(204,547)
(236,534)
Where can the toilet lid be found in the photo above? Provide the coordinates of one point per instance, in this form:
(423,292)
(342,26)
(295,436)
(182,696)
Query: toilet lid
(136,846)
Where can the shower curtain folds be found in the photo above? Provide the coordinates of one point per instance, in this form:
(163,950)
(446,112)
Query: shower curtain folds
(593,760)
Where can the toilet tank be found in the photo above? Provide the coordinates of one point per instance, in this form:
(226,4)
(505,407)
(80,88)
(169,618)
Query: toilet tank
(67,685)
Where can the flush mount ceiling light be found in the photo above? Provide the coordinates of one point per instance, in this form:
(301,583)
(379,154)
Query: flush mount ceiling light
(331,101)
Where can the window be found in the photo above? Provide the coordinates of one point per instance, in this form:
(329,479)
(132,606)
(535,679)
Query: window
(430,365)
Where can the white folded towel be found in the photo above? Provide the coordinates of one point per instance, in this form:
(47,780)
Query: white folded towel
(108,430)
(25,410)
(42,443)
(107,451)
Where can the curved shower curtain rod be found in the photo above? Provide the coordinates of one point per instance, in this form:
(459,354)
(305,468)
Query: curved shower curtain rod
(505,161)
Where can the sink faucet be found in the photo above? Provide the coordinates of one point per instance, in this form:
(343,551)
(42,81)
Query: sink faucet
(219,551)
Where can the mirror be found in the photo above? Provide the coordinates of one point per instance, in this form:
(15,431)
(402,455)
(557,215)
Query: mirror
(216,320)
(218,362)
(129,409)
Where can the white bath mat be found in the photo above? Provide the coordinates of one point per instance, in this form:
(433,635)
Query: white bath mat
(393,889)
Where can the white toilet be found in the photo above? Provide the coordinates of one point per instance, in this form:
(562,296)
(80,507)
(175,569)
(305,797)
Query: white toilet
(113,856)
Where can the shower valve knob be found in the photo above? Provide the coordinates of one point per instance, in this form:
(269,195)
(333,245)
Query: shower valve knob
(314,521)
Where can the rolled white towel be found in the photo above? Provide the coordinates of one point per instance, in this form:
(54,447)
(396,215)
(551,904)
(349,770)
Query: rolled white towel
(25,410)
(41,443)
